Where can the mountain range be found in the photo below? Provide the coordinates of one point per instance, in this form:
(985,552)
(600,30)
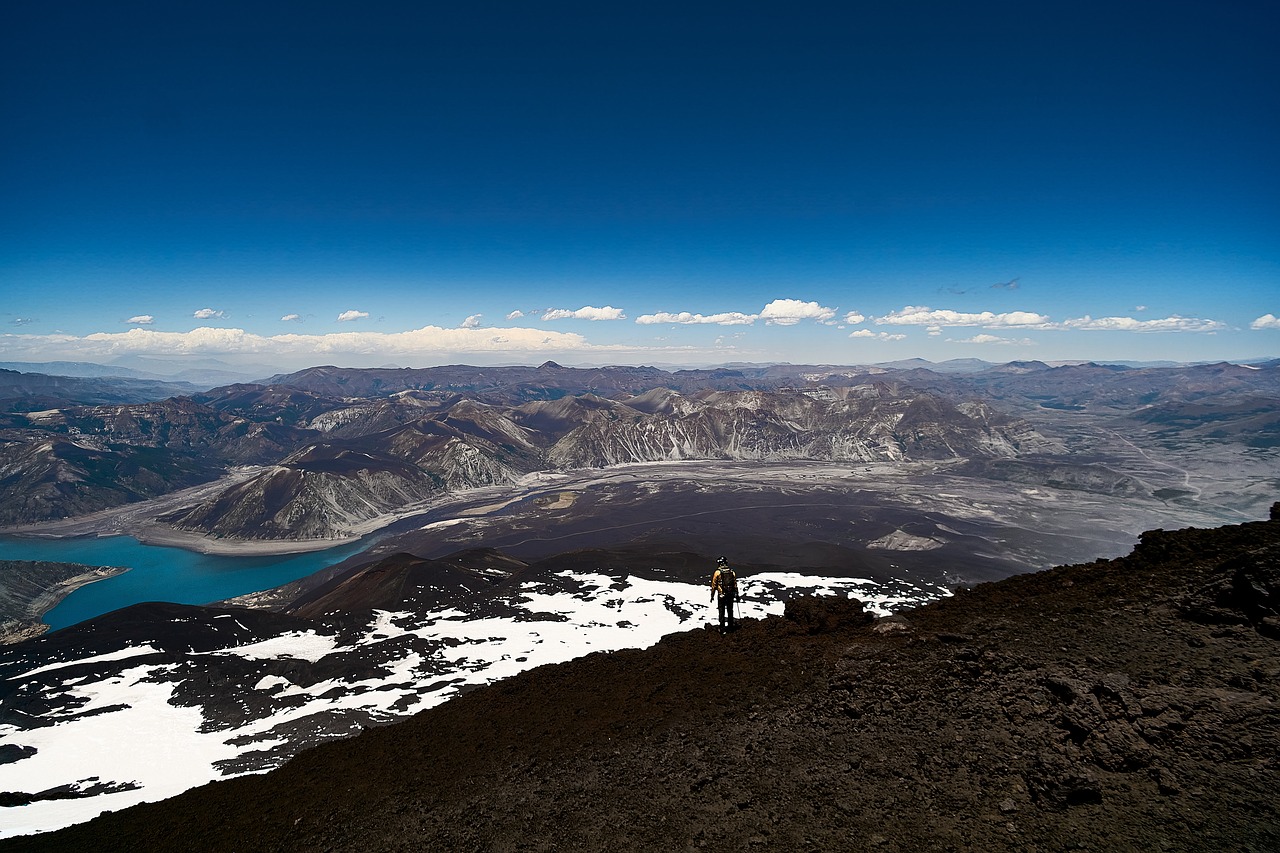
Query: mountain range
(342,448)
(341,480)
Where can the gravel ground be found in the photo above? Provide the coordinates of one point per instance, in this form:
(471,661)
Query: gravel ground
(1129,704)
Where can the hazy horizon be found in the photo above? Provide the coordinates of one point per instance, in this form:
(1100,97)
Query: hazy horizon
(190,368)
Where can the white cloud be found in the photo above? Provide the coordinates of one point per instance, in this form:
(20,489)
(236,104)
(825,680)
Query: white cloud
(994,339)
(684,318)
(1266,321)
(515,315)
(141,320)
(209,314)
(788,312)
(924,316)
(1139,308)
(349,316)
(937,319)
(779,312)
(853,318)
(586,312)
(879,336)
(1129,324)
(209,340)
(934,330)
(289,318)
(471,322)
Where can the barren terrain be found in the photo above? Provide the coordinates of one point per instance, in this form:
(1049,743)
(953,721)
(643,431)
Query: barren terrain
(1129,704)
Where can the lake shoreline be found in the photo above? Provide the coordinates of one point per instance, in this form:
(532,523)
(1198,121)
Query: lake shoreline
(140,521)
(158,571)
(170,537)
(24,611)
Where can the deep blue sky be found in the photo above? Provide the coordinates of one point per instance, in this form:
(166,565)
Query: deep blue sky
(427,166)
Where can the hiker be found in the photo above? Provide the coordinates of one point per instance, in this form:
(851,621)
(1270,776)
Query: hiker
(725,582)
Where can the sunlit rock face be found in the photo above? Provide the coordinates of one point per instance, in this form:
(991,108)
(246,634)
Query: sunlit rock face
(350,477)
(466,426)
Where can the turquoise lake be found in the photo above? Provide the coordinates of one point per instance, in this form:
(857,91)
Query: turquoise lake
(158,573)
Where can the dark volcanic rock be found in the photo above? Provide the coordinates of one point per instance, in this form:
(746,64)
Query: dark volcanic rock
(1246,591)
(1077,708)
(819,614)
(401,581)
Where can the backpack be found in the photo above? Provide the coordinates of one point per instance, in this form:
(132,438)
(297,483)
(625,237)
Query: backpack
(728,583)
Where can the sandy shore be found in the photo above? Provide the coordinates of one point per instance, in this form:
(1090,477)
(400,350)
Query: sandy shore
(160,534)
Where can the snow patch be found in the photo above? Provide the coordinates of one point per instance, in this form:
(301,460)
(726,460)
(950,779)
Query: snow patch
(147,741)
(448,522)
(303,645)
(900,540)
(122,654)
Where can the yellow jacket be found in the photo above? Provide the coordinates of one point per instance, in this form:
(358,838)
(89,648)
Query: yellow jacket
(716,586)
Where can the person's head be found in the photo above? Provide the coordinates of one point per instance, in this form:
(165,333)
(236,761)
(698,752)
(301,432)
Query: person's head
(722,561)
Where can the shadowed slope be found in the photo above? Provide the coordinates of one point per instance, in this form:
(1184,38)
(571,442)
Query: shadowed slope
(1123,704)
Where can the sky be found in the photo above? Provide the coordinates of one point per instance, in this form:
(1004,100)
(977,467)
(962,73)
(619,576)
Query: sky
(420,183)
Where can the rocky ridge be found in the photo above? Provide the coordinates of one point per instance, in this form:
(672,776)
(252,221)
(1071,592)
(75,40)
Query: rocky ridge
(25,392)
(351,476)
(73,461)
(1121,704)
(65,460)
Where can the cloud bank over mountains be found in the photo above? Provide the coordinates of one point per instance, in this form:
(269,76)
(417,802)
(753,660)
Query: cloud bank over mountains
(520,339)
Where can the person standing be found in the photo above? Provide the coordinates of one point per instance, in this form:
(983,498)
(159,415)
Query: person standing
(725,582)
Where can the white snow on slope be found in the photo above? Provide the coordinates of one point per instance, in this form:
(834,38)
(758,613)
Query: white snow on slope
(122,654)
(139,737)
(150,743)
(301,645)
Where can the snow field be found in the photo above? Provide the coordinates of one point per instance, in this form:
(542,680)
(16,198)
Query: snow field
(138,737)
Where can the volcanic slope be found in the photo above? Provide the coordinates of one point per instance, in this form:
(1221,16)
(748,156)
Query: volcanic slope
(1129,704)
